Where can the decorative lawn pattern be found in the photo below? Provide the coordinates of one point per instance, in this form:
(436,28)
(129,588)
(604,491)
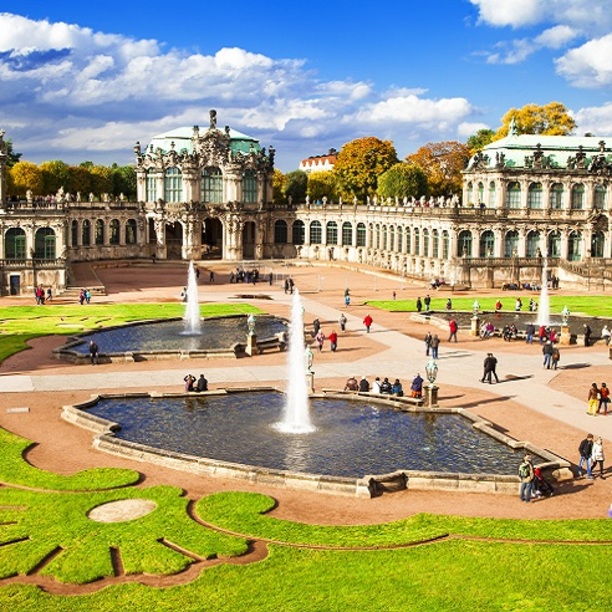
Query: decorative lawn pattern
(19,324)
(591,305)
(14,470)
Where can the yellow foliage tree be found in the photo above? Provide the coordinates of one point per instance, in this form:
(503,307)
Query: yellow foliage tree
(552,119)
(322,185)
(25,175)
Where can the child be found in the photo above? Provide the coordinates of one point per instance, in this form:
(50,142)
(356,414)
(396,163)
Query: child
(540,485)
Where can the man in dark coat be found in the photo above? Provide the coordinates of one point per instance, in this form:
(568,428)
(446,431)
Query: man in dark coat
(490,365)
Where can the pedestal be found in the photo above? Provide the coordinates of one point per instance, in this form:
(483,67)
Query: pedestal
(251,345)
(431,396)
(475,326)
(310,381)
(565,337)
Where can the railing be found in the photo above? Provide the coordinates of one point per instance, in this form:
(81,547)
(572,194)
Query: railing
(28,264)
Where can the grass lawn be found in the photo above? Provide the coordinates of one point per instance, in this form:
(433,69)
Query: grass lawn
(19,324)
(592,305)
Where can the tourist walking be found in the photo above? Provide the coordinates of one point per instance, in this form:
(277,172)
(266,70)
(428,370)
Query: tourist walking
(529,333)
(593,399)
(347,297)
(435,343)
(547,351)
(427,302)
(316,326)
(367,321)
(93,352)
(452,327)
(333,341)
(449,304)
(320,340)
(526,475)
(489,369)
(597,457)
(586,453)
(604,398)
(342,322)
(419,304)
(428,338)
(556,356)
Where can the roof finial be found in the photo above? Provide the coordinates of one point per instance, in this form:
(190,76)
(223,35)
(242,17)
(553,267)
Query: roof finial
(513,128)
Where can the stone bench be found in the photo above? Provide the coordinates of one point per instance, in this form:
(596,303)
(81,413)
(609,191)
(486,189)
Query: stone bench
(415,401)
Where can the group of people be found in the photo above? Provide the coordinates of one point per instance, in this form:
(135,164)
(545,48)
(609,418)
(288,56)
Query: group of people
(197,385)
(384,387)
(41,296)
(84,296)
(532,481)
(426,302)
(591,455)
(598,398)
(432,344)
(243,276)
(320,337)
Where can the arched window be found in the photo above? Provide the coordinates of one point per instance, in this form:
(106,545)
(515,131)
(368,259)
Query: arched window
(533,244)
(114,231)
(425,243)
(511,241)
(492,194)
(249,187)
(331,232)
(534,196)
(597,244)
(385,244)
(173,185)
(599,197)
(131,231)
(513,195)
(86,233)
(347,234)
(480,194)
(280,232)
(408,241)
(377,237)
(400,240)
(15,244)
(361,234)
(44,243)
(554,244)
(435,244)
(487,244)
(298,231)
(417,241)
(74,233)
(211,186)
(470,192)
(577,197)
(151,186)
(316,232)
(445,245)
(99,232)
(574,246)
(556,196)
(391,238)
(464,244)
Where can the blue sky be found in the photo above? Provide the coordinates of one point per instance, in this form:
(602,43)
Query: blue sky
(83,81)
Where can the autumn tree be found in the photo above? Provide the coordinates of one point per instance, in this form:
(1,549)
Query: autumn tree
(552,119)
(278,188)
(360,163)
(403,180)
(24,176)
(101,180)
(480,140)
(322,185)
(79,180)
(296,184)
(442,163)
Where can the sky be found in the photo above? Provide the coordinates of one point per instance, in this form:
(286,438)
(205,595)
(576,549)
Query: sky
(83,81)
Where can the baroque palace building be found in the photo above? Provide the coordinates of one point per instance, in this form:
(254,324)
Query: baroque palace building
(208,194)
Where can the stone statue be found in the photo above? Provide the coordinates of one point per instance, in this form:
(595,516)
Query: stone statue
(91,197)
(213,119)
(308,357)
(251,324)
(29,195)
(476,307)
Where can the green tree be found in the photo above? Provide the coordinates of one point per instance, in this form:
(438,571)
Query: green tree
(25,175)
(552,119)
(11,157)
(442,163)
(80,180)
(124,181)
(296,184)
(101,180)
(322,185)
(480,140)
(403,180)
(55,174)
(360,163)
(278,188)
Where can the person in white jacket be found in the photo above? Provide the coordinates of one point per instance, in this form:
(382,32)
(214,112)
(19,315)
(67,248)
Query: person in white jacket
(597,456)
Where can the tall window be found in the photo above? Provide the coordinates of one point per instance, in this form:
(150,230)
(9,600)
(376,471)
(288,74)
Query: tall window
(173,185)
(445,245)
(597,244)
(347,234)
(211,186)
(533,244)
(391,238)
(556,196)
(408,241)
(435,244)
(15,244)
(280,232)
(511,243)
(131,234)
(249,187)
(44,244)
(151,186)
(316,232)
(464,244)
(513,195)
(86,233)
(114,231)
(487,244)
(577,197)
(470,193)
(385,245)
(599,197)
(425,243)
(377,237)
(574,246)
(400,240)
(361,234)
(492,194)
(480,193)
(299,232)
(99,232)
(534,196)
(331,232)
(417,241)
(74,233)
(554,244)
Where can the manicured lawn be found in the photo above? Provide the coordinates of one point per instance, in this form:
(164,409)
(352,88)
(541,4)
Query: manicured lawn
(593,305)
(19,324)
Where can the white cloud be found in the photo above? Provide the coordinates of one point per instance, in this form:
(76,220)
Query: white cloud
(588,65)
(556,37)
(515,13)
(466,129)
(595,119)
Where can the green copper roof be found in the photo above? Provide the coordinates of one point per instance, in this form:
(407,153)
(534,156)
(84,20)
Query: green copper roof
(183,139)
(558,148)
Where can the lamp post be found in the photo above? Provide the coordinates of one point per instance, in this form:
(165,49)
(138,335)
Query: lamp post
(431,371)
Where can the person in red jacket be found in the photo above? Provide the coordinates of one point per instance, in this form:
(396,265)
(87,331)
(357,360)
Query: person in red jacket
(453,327)
(333,340)
(367,321)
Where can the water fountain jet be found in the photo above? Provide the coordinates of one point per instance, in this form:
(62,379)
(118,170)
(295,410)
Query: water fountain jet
(544,306)
(192,308)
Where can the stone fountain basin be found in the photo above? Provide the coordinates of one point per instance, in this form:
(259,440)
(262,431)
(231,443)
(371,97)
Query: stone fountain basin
(361,447)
